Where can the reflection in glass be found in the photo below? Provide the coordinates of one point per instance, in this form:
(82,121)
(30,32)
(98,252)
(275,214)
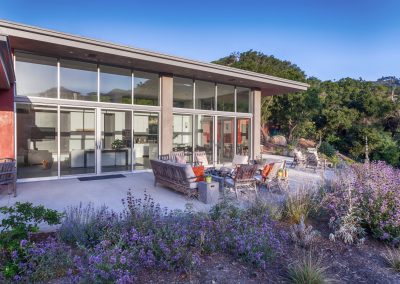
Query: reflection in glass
(242,99)
(77,141)
(182,135)
(183,92)
(116,140)
(36,75)
(146,88)
(115,85)
(204,135)
(36,141)
(145,137)
(205,95)
(225,139)
(225,97)
(243,136)
(78,80)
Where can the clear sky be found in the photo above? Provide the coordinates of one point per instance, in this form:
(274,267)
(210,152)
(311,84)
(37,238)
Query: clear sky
(329,39)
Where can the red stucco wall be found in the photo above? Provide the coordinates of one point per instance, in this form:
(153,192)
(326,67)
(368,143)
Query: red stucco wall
(7,123)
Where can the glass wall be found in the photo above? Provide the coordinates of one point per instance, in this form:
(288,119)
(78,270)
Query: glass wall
(242,99)
(37,141)
(183,92)
(225,98)
(204,135)
(243,137)
(115,85)
(183,135)
(205,95)
(145,137)
(77,141)
(116,140)
(146,88)
(78,80)
(36,75)
(225,132)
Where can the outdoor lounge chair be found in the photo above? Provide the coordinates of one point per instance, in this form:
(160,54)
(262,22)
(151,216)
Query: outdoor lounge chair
(8,174)
(175,156)
(200,157)
(272,179)
(313,161)
(298,159)
(243,179)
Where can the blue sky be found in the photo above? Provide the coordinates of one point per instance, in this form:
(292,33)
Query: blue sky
(327,39)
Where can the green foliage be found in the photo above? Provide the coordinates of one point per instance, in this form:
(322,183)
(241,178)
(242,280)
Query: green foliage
(18,222)
(327,149)
(343,113)
(308,271)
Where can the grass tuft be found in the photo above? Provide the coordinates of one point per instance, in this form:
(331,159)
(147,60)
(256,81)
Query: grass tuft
(308,271)
(392,257)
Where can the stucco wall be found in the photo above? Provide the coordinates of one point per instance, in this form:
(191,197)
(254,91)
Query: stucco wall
(7,123)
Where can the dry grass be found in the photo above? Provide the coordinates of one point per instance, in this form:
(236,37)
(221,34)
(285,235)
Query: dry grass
(299,204)
(392,257)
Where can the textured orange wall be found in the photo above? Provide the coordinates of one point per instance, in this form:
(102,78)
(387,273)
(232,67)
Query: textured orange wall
(7,123)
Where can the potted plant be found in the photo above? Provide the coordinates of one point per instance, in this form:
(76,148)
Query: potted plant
(118,144)
(208,178)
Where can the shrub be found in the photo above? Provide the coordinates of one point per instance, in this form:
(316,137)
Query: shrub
(327,149)
(18,223)
(299,204)
(308,271)
(85,225)
(392,257)
(303,235)
(368,196)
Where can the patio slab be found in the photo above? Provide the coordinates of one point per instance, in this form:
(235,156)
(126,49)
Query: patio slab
(59,194)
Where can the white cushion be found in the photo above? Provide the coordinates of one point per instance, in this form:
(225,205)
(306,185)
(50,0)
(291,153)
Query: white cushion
(240,160)
(202,159)
(180,159)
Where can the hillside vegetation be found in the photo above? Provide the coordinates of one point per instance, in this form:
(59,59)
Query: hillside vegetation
(342,113)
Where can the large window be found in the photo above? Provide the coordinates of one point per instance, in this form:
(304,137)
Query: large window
(182,134)
(36,141)
(205,95)
(78,80)
(36,75)
(115,85)
(242,99)
(225,97)
(183,92)
(243,137)
(146,88)
(204,135)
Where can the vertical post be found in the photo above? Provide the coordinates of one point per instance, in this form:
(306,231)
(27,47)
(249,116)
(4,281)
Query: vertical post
(166,113)
(256,105)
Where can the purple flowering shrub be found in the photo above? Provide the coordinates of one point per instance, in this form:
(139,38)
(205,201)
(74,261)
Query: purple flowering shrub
(370,194)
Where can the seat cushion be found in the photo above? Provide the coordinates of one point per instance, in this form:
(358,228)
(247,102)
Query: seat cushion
(190,176)
(202,160)
(180,159)
(240,160)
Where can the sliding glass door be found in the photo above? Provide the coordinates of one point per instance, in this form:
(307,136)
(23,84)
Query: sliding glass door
(116,140)
(225,139)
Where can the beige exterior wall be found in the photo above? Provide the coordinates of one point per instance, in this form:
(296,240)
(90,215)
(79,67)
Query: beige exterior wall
(166,114)
(256,104)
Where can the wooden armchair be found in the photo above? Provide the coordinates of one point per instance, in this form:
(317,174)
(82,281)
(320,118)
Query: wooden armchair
(243,179)
(8,174)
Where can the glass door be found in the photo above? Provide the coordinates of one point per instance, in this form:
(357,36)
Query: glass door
(116,141)
(225,139)
(77,141)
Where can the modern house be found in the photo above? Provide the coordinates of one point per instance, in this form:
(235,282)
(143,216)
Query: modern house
(73,106)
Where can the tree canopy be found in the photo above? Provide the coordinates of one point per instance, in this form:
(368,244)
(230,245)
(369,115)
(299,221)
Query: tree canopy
(341,112)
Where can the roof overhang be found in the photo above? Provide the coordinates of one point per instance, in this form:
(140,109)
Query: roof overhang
(6,66)
(59,44)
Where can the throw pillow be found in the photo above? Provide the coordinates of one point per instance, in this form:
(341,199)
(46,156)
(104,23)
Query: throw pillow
(180,159)
(267,169)
(199,172)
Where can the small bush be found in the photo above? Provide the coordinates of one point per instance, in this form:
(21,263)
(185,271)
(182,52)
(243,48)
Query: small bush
(392,257)
(18,223)
(299,204)
(327,149)
(308,271)
(303,235)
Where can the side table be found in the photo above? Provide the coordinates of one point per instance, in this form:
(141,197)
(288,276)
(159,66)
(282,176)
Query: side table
(208,192)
